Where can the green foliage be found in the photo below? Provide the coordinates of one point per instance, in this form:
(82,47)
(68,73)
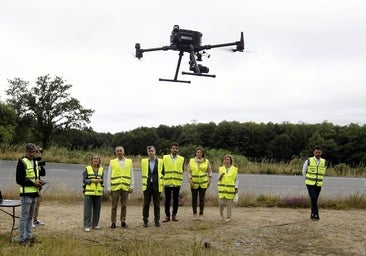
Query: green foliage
(7,123)
(48,106)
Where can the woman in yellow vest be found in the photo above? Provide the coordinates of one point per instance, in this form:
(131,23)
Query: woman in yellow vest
(199,177)
(93,192)
(227,186)
(313,170)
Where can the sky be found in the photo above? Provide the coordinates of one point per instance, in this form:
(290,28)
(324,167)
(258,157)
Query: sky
(304,61)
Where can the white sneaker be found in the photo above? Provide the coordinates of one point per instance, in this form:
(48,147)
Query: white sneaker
(38,222)
(33,226)
(87,229)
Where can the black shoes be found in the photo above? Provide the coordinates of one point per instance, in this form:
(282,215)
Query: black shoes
(314,217)
(29,242)
(145,224)
(157,224)
(123,225)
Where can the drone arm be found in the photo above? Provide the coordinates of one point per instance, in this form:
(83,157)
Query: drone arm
(239,44)
(140,51)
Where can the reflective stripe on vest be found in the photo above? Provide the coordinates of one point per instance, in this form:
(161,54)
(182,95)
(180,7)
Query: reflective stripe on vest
(315,172)
(199,173)
(226,185)
(145,173)
(31,175)
(173,171)
(121,178)
(94,189)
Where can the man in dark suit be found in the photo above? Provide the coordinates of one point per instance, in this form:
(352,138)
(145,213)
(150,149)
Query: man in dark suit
(152,184)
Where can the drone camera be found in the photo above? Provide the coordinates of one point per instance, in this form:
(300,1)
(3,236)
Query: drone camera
(201,68)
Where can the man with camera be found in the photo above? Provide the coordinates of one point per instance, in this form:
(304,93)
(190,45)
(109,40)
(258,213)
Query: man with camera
(27,176)
(42,173)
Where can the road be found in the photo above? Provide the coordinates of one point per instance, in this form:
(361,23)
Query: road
(68,178)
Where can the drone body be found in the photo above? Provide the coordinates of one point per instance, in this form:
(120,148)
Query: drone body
(189,41)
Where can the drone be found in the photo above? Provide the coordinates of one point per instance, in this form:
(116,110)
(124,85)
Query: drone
(183,40)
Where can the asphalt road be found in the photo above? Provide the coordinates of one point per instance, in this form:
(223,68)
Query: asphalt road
(68,178)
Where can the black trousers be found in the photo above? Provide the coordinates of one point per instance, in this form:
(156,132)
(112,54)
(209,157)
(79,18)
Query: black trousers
(314,192)
(153,193)
(200,194)
(168,197)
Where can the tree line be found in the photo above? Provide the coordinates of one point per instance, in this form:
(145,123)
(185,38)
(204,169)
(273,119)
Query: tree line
(47,115)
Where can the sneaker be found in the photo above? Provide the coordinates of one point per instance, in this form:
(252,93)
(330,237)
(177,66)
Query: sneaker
(174,218)
(145,224)
(166,219)
(124,224)
(220,219)
(201,217)
(33,226)
(157,224)
(228,219)
(38,222)
(195,217)
(87,229)
(96,227)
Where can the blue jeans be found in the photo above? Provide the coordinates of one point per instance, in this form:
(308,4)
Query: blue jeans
(26,218)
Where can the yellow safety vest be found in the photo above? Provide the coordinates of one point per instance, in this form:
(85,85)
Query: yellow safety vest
(199,173)
(226,185)
(31,175)
(145,173)
(121,178)
(173,170)
(315,172)
(94,189)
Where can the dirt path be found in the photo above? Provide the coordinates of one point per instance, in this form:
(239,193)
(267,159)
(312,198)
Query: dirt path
(252,231)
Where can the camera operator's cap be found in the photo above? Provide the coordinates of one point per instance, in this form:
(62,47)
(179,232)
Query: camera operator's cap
(30,147)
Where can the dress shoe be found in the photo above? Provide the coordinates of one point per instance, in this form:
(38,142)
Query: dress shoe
(113,225)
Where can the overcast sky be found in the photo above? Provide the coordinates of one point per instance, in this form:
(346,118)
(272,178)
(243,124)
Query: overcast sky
(305,61)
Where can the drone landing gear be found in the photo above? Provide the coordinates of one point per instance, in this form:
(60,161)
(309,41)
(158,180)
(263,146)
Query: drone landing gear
(194,66)
(176,72)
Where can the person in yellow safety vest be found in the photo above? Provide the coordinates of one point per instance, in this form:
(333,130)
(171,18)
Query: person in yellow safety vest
(199,177)
(227,186)
(27,177)
(93,193)
(120,182)
(173,179)
(152,173)
(313,170)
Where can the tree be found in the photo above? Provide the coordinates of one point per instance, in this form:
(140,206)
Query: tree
(7,123)
(49,105)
